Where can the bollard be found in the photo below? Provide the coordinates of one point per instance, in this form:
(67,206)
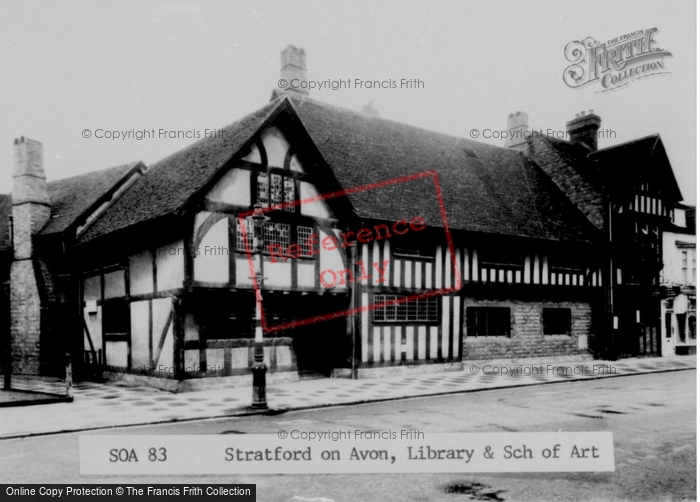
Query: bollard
(69,377)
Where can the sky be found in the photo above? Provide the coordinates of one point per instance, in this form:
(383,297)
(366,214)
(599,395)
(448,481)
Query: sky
(191,66)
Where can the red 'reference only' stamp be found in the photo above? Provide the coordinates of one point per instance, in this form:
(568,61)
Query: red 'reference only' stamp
(329,277)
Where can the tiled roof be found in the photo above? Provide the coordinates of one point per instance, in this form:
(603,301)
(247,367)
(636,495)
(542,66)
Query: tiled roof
(169,183)
(70,198)
(565,163)
(485,188)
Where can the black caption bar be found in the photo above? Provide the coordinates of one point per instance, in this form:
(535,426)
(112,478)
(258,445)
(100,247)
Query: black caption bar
(128,493)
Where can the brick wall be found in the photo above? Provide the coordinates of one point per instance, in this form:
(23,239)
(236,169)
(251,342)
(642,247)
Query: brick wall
(25,324)
(31,209)
(527,333)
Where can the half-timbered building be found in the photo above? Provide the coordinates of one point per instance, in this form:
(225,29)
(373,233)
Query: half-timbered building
(384,248)
(629,193)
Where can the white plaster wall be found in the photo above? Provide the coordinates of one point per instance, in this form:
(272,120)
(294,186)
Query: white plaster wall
(318,209)
(115,284)
(141,273)
(295,164)
(278,274)
(192,361)
(161,312)
(139,334)
(243,277)
(306,275)
(232,188)
(331,260)
(117,354)
(170,266)
(211,262)
(276,146)
(92,293)
(253,155)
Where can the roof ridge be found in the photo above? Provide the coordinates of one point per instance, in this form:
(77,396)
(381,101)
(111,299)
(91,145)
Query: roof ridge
(469,141)
(75,176)
(643,138)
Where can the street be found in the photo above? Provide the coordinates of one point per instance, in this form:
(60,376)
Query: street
(652,417)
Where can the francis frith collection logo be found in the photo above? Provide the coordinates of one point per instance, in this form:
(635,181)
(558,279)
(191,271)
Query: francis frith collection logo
(615,63)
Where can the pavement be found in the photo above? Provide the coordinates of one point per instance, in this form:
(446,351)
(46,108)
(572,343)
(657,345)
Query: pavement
(108,405)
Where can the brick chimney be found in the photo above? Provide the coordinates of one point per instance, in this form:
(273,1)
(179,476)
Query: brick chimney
(517,127)
(31,209)
(294,71)
(584,130)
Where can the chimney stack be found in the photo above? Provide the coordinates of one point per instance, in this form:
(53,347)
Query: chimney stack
(370,110)
(517,131)
(31,204)
(294,71)
(583,130)
(31,209)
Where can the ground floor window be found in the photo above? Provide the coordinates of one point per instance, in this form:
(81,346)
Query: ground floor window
(488,321)
(421,310)
(556,321)
(115,317)
(224,315)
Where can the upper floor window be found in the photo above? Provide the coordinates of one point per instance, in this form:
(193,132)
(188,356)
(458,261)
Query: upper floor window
(277,235)
(303,236)
(502,257)
(276,189)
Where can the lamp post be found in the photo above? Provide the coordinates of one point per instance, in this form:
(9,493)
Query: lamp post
(259,368)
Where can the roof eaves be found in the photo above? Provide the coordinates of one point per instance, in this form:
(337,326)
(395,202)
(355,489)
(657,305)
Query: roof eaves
(217,173)
(117,190)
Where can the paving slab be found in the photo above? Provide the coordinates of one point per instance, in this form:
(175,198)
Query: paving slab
(105,405)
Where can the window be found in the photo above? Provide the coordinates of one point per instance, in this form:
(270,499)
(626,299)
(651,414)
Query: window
(249,234)
(502,257)
(556,321)
(274,189)
(303,235)
(263,189)
(488,321)
(691,270)
(425,250)
(222,315)
(289,193)
(115,317)
(275,233)
(420,310)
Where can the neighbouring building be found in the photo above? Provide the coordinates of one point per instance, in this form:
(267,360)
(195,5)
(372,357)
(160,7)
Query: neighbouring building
(629,193)
(678,283)
(429,251)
